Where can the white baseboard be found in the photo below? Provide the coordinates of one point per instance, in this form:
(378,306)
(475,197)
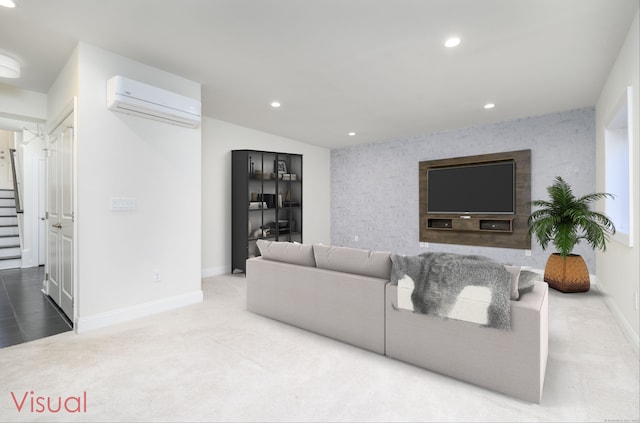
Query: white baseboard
(214,271)
(85,324)
(26,258)
(624,325)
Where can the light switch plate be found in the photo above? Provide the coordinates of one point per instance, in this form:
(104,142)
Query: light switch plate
(123,204)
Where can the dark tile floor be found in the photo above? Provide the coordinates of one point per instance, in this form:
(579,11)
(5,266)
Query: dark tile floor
(25,312)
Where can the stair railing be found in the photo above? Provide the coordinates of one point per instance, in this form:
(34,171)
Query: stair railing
(16,183)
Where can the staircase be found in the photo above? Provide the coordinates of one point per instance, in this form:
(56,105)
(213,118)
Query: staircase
(10,256)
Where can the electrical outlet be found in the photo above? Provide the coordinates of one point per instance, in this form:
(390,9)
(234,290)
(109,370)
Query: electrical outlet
(356,238)
(155,275)
(527,253)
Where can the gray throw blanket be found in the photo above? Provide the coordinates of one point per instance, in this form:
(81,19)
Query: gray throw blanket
(440,277)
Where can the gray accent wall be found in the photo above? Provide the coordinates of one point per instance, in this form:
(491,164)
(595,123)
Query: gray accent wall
(374,187)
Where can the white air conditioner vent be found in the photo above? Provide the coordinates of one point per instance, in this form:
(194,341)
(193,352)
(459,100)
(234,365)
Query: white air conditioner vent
(139,99)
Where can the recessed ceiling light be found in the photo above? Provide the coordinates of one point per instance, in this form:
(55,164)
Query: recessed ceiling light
(452,42)
(275,104)
(9,68)
(7,3)
(352,134)
(489,106)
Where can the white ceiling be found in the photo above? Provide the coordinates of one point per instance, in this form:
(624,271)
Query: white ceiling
(376,67)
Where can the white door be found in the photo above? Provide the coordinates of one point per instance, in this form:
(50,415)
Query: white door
(60,216)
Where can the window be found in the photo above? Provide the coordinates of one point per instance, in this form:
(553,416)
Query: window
(618,180)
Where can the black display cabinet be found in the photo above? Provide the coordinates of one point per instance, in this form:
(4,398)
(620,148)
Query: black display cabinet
(266,201)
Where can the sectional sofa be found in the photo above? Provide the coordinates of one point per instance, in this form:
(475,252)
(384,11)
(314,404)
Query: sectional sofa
(346,294)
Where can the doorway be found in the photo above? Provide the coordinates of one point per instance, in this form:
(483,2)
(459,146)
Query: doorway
(26,311)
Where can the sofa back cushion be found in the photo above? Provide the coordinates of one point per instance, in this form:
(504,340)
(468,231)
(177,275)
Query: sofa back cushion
(376,264)
(288,252)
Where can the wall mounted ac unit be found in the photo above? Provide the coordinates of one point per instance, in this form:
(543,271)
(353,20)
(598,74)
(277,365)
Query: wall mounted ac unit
(139,99)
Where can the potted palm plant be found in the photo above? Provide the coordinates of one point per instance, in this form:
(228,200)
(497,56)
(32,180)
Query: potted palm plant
(564,221)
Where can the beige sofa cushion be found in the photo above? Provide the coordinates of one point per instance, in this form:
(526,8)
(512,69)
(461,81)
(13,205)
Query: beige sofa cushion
(287,252)
(357,261)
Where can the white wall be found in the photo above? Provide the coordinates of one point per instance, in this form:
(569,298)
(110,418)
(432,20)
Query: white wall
(21,105)
(63,90)
(219,138)
(124,156)
(375,190)
(619,267)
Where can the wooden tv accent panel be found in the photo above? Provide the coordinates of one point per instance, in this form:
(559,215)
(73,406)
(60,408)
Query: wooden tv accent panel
(490,230)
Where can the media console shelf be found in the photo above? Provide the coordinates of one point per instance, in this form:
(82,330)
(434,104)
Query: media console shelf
(507,230)
(470,224)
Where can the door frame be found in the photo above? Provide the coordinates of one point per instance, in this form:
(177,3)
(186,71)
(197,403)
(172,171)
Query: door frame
(38,221)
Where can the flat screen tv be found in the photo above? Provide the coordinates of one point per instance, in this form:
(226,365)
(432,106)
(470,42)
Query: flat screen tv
(487,188)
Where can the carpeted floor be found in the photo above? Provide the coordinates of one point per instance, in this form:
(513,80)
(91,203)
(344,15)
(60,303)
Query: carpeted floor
(217,362)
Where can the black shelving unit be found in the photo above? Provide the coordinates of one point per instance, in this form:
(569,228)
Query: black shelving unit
(266,201)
